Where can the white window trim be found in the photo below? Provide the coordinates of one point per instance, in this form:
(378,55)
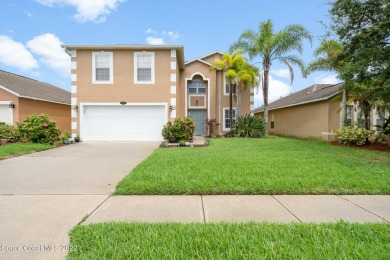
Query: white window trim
(197,95)
(94,69)
(223,118)
(152,81)
(224,88)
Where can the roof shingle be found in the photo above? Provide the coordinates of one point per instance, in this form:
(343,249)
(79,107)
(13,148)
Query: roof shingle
(33,89)
(313,93)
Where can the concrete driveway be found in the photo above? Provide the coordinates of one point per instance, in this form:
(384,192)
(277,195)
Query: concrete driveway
(44,195)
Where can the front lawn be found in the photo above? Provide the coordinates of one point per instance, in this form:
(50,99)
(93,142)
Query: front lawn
(260,166)
(230,241)
(20,149)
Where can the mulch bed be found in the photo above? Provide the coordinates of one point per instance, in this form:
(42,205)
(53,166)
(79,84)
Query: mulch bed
(383,147)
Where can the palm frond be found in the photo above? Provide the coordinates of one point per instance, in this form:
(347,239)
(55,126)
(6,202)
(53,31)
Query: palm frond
(293,60)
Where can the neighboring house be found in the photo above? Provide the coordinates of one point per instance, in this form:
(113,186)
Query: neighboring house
(309,113)
(312,113)
(128,92)
(21,97)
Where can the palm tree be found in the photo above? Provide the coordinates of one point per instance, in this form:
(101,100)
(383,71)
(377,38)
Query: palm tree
(272,46)
(237,69)
(327,60)
(246,77)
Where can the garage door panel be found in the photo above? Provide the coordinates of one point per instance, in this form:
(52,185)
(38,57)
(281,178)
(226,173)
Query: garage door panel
(5,114)
(122,123)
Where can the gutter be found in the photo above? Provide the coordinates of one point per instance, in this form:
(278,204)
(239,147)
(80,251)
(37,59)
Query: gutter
(302,103)
(33,98)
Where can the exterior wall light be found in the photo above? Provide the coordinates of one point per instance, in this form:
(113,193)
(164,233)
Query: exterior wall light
(11,105)
(170,108)
(76,107)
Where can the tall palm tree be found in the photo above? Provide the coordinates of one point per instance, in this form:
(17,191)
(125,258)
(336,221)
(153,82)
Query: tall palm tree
(272,46)
(327,60)
(236,68)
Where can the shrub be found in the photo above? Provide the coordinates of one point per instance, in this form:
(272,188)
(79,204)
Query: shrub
(182,129)
(352,135)
(39,129)
(248,126)
(213,125)
(65,135)
(9,133)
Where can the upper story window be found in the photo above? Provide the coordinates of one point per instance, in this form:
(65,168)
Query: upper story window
(102,68)
(227,89)
(144,67)
(196,86)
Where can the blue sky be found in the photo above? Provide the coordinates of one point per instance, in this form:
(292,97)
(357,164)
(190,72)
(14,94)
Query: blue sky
(32,30)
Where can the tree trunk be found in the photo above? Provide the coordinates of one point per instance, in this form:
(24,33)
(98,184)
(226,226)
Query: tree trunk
(230,105)
(384,126)
(343,114)
(238,99)
(265,99)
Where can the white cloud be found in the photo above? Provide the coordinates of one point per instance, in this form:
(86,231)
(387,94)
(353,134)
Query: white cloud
(87,10)
(174,36)
(282,73)
(327,79)
(150,30)
(276,89)
(28,13)
(47,47)
(15,54)
(159,38)
(154,40)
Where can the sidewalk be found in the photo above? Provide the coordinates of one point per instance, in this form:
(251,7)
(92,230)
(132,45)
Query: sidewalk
(239,208)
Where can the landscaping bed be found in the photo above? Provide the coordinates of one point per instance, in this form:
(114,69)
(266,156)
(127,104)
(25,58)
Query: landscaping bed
(230,241)
(383,147)
(261,166)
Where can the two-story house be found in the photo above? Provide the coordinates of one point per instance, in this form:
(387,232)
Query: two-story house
(128,92)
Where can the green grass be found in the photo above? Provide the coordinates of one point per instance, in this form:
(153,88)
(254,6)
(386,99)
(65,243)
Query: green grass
(261,166)
(20,149)
(231,241)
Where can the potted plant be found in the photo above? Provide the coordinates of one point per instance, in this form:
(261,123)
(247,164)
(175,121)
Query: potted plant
(77,139)
(65,137)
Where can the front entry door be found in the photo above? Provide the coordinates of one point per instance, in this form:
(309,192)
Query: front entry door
(199,117)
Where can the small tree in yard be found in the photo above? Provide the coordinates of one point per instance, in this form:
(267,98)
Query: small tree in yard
(363,28)
(39,129)
(237,69)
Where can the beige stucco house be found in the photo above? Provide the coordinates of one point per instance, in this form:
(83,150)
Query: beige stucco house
(128,92)
(313,112)
(309,113)
(21,96)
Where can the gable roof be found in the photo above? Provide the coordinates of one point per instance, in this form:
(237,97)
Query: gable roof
(32,89)
(205,56)
(315,93)
(179,48)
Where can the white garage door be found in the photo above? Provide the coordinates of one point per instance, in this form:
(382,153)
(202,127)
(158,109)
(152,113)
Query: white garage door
(6,114)
(123,123)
